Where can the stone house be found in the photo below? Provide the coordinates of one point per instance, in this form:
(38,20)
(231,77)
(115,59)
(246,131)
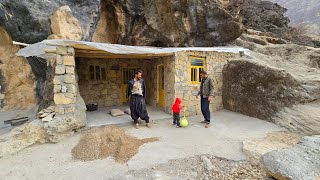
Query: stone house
(98,73)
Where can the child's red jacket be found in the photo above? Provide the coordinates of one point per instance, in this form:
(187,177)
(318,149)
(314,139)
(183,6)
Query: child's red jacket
(176,108)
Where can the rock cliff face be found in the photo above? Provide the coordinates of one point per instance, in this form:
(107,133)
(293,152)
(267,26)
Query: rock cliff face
(260,15)
(303,13)
(17,82)
(29,21)
(173,23)
(143,22)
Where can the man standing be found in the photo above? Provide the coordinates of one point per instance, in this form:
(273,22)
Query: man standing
(137,90)
(206,94)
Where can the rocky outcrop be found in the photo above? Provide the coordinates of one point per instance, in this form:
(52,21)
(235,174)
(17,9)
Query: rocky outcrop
(303,13)
(304,118)
(64,25)
(299,162)
(256,148)
(260,15)
(174,23)
(17,84)
(29,21)
(22,137)
(279,83)
(258,90)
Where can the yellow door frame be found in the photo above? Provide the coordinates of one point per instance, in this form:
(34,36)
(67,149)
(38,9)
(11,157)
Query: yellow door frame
(161,100)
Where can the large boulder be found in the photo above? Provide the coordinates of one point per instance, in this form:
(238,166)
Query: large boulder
(299,162)
(279,83)
(64,25)
(174,23)
(29,21)
(259,90)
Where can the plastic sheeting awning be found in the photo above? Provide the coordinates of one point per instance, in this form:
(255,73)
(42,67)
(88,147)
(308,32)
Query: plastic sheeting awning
(107,50)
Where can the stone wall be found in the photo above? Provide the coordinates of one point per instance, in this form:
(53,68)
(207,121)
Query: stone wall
(169,80)
(103,92)
(187,91)
(108,92)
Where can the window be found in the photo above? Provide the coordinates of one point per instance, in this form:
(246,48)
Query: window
(97,72)
(127,74)
(197,65)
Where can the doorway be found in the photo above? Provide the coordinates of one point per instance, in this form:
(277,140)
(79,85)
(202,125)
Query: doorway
(127,75)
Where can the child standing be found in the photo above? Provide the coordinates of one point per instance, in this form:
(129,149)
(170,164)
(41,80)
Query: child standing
(176,108)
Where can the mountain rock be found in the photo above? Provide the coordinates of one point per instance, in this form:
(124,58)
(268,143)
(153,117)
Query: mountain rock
(260,15)
(174,23)
(299,162)
(29,21)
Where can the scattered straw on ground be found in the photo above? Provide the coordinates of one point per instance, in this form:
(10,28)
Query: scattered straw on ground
(99,143)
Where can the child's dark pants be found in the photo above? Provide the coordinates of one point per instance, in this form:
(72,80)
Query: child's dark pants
(176,118)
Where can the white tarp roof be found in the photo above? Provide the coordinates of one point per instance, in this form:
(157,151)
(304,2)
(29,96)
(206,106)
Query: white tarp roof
(38,49)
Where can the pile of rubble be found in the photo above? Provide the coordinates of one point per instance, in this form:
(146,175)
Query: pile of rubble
(46,115)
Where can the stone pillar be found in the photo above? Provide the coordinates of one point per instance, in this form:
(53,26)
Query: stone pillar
(69,111)
(65,90)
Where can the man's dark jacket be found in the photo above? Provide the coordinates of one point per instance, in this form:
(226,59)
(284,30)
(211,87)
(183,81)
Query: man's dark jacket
(130,86)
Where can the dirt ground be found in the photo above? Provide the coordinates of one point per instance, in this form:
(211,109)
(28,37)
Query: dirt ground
(199,167)
(180,152)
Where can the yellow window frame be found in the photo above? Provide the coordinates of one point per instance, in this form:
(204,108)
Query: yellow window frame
(195,70)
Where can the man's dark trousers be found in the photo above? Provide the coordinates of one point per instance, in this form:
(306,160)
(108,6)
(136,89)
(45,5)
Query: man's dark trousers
(138,108)
(205,108)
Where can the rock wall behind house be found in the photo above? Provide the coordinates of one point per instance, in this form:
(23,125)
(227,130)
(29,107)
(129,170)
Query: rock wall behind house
(29,21)
(187,91)
(17,88)
(174,23)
